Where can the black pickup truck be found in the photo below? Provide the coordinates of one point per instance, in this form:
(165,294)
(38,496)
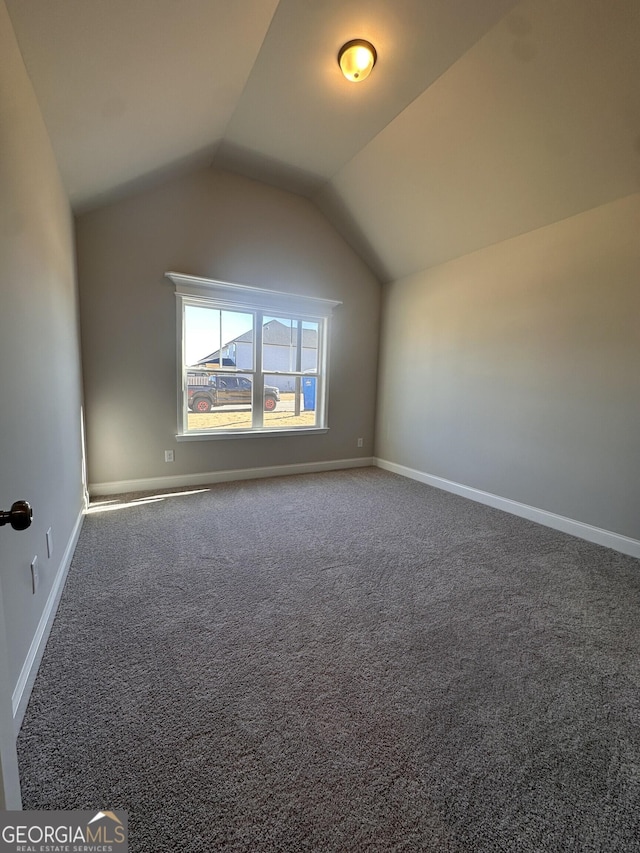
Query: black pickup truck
(205,392)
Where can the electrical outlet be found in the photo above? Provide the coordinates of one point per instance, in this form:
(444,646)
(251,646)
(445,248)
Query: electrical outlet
(35,575)
(168,456)
(360,442)
(49,543)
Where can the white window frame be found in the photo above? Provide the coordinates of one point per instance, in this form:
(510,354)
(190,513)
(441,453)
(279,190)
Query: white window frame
(194,290)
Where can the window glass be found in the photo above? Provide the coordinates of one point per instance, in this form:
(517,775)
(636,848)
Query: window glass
(215,337)
(296,401)
(289,344)
(223,402)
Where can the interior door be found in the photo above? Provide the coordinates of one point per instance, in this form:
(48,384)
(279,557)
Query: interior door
(9,777)
(19,518)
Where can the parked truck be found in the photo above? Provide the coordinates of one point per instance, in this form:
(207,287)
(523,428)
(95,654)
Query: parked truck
(206,391)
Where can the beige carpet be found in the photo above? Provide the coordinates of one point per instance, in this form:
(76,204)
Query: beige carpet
(348,661)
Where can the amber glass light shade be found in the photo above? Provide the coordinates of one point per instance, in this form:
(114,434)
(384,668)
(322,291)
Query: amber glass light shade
(356,59)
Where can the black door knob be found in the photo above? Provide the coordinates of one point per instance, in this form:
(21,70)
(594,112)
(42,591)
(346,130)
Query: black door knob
(19,516)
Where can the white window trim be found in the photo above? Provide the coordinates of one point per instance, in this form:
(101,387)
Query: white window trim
(246,296)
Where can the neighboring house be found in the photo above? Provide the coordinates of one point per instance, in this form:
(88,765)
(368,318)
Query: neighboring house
(279,352)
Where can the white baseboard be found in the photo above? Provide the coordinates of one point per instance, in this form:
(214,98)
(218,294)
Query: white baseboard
(597,535)
(205,479)
(20,697)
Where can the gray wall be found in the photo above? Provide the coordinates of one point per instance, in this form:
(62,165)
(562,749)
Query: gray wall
(516,369)
(40,445)
(221,226)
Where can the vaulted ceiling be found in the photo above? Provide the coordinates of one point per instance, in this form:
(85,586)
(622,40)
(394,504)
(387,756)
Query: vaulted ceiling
(483,119)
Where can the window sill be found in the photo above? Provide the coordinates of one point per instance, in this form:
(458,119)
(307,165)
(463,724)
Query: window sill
(255,433)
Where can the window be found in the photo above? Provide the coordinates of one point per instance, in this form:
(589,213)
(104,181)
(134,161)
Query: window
(252,361)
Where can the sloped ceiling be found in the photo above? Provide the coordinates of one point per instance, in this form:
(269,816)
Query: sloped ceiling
(481,120)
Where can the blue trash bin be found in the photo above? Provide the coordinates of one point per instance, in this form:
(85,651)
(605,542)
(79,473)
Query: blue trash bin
(309,393)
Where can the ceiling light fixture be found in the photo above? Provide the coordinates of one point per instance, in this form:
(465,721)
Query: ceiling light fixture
(356,59)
